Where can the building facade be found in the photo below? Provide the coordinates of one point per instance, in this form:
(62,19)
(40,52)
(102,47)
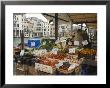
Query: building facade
(31,27)
(28,27)
(64,30)
(52,30)
(46,29)
(18,24)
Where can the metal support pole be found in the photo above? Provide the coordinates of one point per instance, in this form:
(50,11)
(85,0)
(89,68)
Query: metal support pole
(71,26)
(22,40)
(56,26)
(81,26)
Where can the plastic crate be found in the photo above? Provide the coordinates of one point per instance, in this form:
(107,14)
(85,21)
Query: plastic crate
(34,43)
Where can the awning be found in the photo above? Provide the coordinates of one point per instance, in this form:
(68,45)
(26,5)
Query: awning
(76,18)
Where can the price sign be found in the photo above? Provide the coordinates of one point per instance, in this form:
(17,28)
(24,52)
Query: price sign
(54,50)
(22,53)
(32,43)
(76,43)
(84,42)
(69,43)
(71,50)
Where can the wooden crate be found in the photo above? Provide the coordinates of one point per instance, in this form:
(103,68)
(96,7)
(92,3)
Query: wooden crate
(78,70)
(32,71)
(21,69)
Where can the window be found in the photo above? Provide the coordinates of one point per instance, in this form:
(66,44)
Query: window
(38,29)
(14,32)
(38,24)
(14,22)
(44,29)
(35,34)
(14,18)
(25,30)
(63,27)
(14,25)
(17,25)
(17,32)
(40,34)
(20,32)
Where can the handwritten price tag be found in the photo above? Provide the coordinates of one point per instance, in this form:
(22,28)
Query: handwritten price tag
(54,50)
(76,42)
(32,43)
(71,50)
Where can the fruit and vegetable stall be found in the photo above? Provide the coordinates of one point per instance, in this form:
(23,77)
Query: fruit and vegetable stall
(54,57)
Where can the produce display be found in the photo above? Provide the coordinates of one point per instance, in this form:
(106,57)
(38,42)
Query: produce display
(51,56)
(49,62)
(51,59)
(16,51)
(47,44)
(44,68)
(87,53)
(65,66)
(59,56)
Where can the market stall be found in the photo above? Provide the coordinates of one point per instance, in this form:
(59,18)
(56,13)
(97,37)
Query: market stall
(55,61)
(67,55)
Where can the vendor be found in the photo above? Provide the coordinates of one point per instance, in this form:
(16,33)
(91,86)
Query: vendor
(85,42)
(72,38)
(70,41)
(78,38)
